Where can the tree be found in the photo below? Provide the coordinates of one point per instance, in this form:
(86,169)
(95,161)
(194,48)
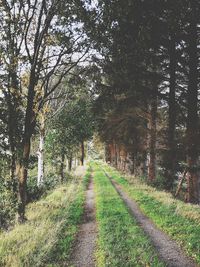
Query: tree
(192,131)
(69,129)
(150,48)
(39,56)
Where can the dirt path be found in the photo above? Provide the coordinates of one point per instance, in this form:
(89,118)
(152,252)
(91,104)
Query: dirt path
(83,253)
(168,250)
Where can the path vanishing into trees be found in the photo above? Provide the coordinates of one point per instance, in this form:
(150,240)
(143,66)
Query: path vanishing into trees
(83,254)
(84,247)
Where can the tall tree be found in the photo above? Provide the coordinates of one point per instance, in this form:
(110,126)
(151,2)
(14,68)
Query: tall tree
(192,131)
(44,35)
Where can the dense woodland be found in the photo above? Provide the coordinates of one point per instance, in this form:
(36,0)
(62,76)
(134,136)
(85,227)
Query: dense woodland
(148,94)
(125,72)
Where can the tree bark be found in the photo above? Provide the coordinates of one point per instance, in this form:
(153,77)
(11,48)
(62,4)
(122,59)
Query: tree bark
(12,103)
(152,138)
(107,152)
(62,167)
(22,179)
(40,178)
(192,136)
(82,153)
(180,183)
(70,164)
(169,159)
(115,153)
(30,122)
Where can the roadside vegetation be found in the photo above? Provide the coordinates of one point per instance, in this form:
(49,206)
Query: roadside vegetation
(121,242)
(46,238)
(179,220)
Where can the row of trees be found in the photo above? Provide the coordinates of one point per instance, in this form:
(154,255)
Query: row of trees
(42,48)
(149,88)
(142,64)
(69,132)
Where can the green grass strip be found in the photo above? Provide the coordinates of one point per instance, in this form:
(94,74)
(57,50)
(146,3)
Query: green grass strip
(46,238)
(121,242)
(179,220)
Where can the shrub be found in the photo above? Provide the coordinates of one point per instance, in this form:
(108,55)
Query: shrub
(8,206)
(50,182)
(159,183)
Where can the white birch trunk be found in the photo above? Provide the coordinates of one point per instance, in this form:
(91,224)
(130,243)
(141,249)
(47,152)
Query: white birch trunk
(40,154)
(40,179)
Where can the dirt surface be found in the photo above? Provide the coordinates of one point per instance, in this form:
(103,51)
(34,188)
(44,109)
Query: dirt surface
(168,250)
(83,252)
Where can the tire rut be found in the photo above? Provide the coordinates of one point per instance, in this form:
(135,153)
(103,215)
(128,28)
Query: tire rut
(167,249)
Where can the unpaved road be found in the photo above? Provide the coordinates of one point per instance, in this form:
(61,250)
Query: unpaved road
(167,249)
(84,248)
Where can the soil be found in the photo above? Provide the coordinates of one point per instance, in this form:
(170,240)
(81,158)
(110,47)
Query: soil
(84,247)
(167,249)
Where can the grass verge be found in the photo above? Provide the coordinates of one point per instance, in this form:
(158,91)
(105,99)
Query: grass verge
(179,220)
(46,238)
(121,242)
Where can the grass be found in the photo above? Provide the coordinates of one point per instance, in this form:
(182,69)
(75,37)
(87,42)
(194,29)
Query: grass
(179,220)
(86,178)
(121,242)
(46,238)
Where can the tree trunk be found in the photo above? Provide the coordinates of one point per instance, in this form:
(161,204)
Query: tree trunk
(12,165)
(22,179)
(115,151)
(70,164)
(170,153)
(12,103)
(13,178)
(40,178)
(29,125)
(12,99)
(82,153)
(62,167)
(193,180)
(152,138)
(107,153)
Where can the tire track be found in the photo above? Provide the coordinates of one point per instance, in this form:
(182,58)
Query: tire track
(167,249)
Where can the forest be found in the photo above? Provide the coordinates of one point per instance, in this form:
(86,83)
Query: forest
(99,128)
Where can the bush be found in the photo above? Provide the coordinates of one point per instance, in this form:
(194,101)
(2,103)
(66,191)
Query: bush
(8,200)
(8,206)
(159,182)
(34,192)
(50,182)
